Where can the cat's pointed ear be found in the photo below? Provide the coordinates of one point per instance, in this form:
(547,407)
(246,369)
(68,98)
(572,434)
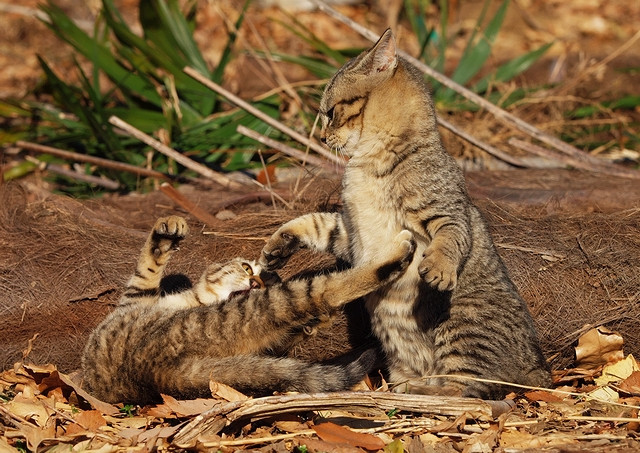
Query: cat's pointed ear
(382,56)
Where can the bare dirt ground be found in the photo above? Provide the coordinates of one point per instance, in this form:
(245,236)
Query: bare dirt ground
(570,239)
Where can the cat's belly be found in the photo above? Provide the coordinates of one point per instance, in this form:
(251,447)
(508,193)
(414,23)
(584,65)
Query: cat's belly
(407,345)
(394,321)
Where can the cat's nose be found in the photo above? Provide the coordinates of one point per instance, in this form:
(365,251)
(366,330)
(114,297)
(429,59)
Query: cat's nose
(323,139)
(256,282)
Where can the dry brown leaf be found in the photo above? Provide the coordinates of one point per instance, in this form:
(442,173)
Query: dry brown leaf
(542,395)
(188,408)
(631,385)
(485,441)
(159,432)
(451,425)
(220,390)
(317,445)
(597,347)
(522,440)
(91,420)
(34,435)
(291,426)
(618,371)
(30,409)
(330,432)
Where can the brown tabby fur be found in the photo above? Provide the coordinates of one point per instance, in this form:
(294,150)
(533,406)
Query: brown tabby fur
(155,343)
(455,311)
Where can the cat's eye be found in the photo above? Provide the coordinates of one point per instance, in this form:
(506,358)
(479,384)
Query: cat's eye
(330,113)
(247,268)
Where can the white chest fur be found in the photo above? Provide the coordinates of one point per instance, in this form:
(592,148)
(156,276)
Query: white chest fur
(374,212)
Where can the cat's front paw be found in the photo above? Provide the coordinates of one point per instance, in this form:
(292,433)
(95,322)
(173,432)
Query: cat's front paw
(405,246)
(278,249)
(167,234)
(437,270)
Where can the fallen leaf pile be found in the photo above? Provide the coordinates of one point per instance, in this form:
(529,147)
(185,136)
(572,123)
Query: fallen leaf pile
(593,407)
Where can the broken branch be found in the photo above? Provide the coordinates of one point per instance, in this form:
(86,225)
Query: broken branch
(258,114)
(215,419)
(288,150)
(175,155)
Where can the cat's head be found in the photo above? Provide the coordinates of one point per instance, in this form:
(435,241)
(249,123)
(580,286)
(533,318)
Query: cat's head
(348,92)
(224,280)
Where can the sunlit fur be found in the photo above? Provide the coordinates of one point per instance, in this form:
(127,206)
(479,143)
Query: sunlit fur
(455,311)
(174,340)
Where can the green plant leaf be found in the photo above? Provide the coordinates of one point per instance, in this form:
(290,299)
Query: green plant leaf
(475,57)
(145,58)
(318,67)
(512,68)
(99,55)
(18,171)
(626,102)
(316,43)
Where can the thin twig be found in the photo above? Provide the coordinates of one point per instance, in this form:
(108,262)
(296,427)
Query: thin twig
(594,68)
(188,205)
(100,162)
(499,113)
(530,250)
(175,155)
(495,152)
(600,166)
(258,114)
(89,179)
(288,150)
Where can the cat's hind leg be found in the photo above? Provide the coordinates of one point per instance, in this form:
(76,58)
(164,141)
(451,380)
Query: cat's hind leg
(261,375)
(162,242)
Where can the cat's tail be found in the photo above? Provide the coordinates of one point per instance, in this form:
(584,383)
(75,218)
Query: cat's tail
(263,375)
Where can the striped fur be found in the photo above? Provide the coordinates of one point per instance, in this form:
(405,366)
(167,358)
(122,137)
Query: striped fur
(455,311)
(155,343)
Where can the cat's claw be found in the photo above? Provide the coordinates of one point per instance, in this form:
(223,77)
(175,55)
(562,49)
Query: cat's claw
(279,248)
(172,227)
(438,271)
(167,234)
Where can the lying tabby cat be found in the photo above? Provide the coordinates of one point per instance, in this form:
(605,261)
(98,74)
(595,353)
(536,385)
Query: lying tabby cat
(224,328)
(455,310)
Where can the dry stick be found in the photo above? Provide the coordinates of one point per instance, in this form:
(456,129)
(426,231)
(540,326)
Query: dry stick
(60,170)
(577,163)
(175,155)
(105,163)
(258,114)
(613,55)
(288,150)
(499,113)
(484,146)
(90,179)
(188,205)
(215,419)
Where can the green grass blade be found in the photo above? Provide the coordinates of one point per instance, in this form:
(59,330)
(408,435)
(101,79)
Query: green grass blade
(306,35)
(477,55)
(624,103)
(146,58)
(165,25)
(99,55)
(227,52)
(512,68)
(319,68)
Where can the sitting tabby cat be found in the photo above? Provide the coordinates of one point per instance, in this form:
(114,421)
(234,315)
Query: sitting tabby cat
(454,311)
(223,329)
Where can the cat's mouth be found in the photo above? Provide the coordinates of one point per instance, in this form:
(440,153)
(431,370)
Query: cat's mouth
(255,282)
